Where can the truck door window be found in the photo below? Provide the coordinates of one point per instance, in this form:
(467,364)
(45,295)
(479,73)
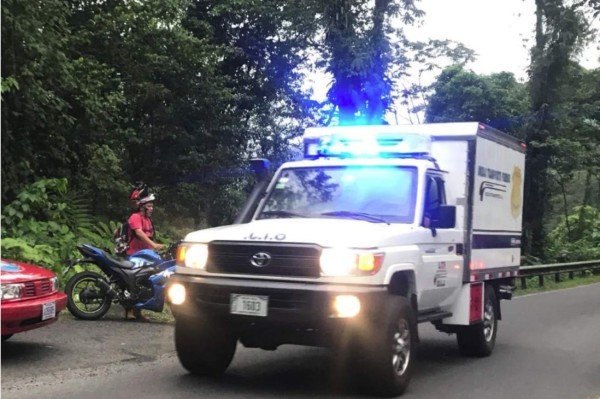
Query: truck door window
(434,197)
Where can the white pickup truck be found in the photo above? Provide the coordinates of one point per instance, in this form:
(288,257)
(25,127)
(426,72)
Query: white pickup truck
(377,229)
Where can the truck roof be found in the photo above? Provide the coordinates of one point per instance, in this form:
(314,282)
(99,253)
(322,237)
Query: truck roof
(307,163)
(436,131)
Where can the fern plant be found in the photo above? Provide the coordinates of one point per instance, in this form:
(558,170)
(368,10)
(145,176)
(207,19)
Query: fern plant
(46,222)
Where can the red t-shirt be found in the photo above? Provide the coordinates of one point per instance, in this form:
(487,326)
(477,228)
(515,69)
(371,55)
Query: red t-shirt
(138,221)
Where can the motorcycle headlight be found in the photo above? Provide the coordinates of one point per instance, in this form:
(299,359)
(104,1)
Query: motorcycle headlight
(12,291)
(348,262)
(192,255)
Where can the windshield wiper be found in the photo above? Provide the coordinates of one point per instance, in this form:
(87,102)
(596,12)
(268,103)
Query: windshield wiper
(283,214)
(356,215)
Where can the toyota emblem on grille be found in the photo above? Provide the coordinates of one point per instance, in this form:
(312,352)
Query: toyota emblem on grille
(260,259)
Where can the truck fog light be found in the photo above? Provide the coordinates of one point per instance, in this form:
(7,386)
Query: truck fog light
(176,294)
(346,305)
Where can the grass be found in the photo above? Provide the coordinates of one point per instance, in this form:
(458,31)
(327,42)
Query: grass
(165,317)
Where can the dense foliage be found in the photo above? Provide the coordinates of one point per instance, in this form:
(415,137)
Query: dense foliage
(461,95)
(45,222)
(556,113)
(180,94)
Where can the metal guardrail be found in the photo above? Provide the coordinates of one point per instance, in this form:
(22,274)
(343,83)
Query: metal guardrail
(556,269)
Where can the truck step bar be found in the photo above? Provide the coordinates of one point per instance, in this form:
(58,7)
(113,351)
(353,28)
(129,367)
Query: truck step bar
(433,315)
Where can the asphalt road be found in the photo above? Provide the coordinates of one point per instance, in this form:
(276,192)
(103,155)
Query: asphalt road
(548,347)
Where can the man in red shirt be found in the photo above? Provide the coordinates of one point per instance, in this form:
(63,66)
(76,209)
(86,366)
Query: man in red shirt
(142,233)
(141,228)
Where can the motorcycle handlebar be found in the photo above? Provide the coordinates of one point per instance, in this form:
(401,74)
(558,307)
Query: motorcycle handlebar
(171,250)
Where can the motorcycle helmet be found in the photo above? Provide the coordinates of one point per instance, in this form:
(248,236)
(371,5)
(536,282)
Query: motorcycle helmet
(140,191)
(146,199)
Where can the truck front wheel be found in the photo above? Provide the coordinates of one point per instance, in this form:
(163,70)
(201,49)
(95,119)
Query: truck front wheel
(204,347)
(479,339)
(390,351)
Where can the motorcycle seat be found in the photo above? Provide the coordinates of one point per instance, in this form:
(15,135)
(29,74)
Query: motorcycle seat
(94,252)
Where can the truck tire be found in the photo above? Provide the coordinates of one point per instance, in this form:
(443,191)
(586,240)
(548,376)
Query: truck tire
(205,347)
(479,339)
(389,351)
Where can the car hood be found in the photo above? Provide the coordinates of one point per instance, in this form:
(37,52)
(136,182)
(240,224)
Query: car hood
(16,272)
(325,232)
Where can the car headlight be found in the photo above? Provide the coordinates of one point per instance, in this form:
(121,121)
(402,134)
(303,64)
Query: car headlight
(12,291)
(192,255)
(348,262)
(55,283)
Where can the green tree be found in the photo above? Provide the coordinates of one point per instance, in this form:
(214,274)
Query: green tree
(358,53)
(565,244)
(426,58)
(460,95)
(61,104)
(35,112)
(560,32)
(263,58)
(574,165)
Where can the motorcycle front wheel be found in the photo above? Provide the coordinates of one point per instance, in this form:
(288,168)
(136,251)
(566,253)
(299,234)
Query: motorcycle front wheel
(85,298)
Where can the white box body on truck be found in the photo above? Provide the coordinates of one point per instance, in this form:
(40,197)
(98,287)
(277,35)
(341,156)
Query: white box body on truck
(377,229)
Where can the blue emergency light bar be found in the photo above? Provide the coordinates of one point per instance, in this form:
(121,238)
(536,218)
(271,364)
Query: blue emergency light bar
(364,142)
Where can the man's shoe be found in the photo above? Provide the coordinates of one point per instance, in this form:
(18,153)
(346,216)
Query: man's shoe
(137,313)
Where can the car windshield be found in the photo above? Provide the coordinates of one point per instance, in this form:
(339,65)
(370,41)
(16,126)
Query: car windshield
(372,193)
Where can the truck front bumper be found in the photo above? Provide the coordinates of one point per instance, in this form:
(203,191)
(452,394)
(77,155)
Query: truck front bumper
(298,312)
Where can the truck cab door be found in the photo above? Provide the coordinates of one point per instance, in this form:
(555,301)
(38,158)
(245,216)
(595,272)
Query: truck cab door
(440,274)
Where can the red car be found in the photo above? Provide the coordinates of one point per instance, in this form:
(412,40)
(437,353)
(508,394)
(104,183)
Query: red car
(30,297)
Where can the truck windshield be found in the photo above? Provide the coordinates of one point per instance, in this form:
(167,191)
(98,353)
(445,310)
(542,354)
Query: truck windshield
(372,193)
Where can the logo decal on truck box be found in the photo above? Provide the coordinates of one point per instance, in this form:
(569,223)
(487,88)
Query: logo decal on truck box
(515,195)
(489,189)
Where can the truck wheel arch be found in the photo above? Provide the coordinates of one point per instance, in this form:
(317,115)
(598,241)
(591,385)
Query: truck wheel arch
(495,285)
(403,284)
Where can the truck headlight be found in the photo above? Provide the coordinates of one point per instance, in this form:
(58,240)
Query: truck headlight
(347,262)
(12,291)
(192,255)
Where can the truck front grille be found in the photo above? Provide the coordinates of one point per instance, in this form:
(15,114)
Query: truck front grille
(277,299)
(270,259)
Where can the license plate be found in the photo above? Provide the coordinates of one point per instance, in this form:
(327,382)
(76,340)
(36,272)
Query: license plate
(48,310)
(250,305)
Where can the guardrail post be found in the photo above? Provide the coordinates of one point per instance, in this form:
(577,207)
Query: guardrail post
(571,276)
(557,278)
(523,282)
(541,280)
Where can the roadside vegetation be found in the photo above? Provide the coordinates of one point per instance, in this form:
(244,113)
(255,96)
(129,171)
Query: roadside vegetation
(180,94)
(550,284)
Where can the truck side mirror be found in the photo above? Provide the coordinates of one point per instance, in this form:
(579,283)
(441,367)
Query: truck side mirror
(444,217)
(260,167)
